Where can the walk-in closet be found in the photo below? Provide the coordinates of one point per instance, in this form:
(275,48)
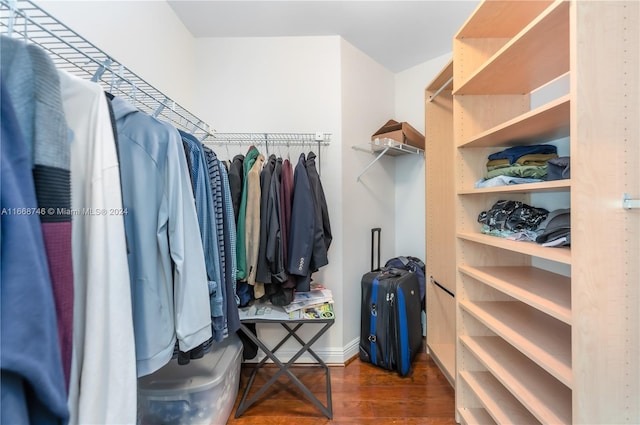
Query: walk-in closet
(349,212)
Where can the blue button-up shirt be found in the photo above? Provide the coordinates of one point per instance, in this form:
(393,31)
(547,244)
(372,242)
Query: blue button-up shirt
(208,231)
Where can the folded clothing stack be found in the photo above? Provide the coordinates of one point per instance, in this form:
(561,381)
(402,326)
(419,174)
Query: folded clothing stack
(512,216)
(521,161)
(558,168)
(557,229)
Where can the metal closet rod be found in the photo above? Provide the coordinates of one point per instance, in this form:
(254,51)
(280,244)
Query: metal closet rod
(433,96)
(71,52)
(279,139)
(273,139)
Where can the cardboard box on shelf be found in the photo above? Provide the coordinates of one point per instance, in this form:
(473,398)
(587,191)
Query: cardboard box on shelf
(401,132)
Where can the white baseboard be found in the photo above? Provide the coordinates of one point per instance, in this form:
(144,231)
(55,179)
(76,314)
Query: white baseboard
(330,355)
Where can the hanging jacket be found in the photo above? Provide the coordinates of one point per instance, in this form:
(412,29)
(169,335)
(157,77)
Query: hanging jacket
(275,247)
(286,201)
(263,271)
(236,178)
(252,230)
(166,258)
(322,228)
(103,295)
(241,248)
(301,238)
(243,290)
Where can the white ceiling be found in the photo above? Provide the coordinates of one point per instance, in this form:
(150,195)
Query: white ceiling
(397,34)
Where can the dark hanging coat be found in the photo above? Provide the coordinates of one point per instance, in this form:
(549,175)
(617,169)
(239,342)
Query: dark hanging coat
(275,247)
(236,180)
(286,200)
(322,228)
(263,272)
(301,238)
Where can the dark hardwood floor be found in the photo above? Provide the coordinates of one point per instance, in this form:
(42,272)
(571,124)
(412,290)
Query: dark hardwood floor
(362,394)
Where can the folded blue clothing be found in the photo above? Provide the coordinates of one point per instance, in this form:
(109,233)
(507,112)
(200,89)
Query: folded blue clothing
(515,152)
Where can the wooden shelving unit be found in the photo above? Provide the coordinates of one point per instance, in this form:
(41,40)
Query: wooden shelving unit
(561,255)
(546,291)
(498,402)
(548,122)
(440,232)
(540,393)
(549,335)
(550,186)
(475,415)
(536,55)
(541,338)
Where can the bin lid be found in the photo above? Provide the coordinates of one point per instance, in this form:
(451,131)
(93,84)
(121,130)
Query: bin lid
(198,375)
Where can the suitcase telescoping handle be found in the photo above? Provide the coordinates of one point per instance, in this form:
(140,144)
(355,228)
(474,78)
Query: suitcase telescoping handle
(375,242)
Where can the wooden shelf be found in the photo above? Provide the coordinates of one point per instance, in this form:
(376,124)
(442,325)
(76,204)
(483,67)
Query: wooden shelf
(474,416)
(538,54)
(581,335)
(501,405)
(548,122)
(560,255)
(445,357)
(540,337)
(545,397)
(501,19)
(546,291)
(439,222)
(546,186)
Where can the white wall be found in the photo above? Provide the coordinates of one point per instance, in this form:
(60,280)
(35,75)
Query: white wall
(301,84)
(307,84)
(289,85)
(367,103)
(410,169)
(146,36)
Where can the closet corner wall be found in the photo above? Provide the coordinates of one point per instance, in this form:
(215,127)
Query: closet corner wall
(440,232)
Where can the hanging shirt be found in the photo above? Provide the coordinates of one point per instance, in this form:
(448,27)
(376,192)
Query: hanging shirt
(32,81)
(215,183)
(103,375)
(167,272)
(232,300)
(32,382)
(205,210)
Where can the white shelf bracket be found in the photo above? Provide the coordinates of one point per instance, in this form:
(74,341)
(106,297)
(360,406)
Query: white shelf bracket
(373,162)
(628,203)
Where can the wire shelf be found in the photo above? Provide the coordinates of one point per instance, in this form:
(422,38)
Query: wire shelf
(276,139)
(73,53)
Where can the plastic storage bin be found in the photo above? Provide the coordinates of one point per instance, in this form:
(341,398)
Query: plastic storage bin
(201,392)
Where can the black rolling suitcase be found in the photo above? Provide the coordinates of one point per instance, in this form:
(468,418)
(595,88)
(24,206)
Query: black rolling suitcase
(390,327)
